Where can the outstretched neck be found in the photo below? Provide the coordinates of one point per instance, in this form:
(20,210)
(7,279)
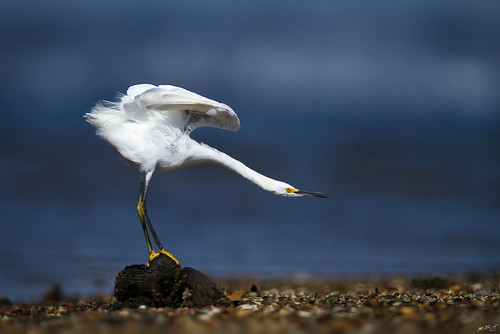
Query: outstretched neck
(211,155)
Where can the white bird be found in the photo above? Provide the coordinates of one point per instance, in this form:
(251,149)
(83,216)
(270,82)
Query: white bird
(150,127)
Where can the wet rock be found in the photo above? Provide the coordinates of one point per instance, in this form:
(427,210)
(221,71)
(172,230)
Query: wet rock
(166,284)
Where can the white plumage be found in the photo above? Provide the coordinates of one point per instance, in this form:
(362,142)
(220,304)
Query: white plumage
(150,127)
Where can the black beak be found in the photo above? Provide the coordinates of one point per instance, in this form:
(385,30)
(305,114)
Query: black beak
(312,193)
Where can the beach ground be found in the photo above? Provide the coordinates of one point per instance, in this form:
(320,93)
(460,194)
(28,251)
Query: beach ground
(465,304)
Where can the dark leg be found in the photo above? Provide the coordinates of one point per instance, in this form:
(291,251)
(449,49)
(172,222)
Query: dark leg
(143,216)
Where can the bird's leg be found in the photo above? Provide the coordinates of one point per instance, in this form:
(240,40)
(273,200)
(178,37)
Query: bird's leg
(146,223)
(141,210)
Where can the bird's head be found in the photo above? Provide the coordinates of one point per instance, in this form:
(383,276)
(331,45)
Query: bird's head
(286,190)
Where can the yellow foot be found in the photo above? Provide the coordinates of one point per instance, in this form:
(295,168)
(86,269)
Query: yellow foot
(153,255)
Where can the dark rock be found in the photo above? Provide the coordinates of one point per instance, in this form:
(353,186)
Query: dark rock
(4,301)
(166,284)
(254,288)
(202,290)
(53,294)
(431,283)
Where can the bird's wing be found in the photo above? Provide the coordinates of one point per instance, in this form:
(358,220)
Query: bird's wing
(200,111)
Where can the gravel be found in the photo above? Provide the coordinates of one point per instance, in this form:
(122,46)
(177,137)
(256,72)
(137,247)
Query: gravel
(400,305)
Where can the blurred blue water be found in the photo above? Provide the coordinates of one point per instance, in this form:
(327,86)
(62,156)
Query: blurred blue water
(392,108)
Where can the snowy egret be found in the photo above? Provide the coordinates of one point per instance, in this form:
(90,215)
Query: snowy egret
(150,127)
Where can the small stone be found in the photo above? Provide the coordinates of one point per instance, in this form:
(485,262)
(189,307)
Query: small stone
(236,296)
(481,293)
(304,314)
(248,307)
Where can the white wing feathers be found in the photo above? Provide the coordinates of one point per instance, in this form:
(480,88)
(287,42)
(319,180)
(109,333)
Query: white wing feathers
(135,90)
(200,110)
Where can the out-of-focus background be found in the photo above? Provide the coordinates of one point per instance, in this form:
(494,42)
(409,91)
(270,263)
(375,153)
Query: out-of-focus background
(392,107)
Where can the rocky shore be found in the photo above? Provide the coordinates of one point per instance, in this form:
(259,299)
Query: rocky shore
(469,304)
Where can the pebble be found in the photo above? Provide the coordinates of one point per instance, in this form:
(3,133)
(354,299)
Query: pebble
(454,305)
(250,307)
